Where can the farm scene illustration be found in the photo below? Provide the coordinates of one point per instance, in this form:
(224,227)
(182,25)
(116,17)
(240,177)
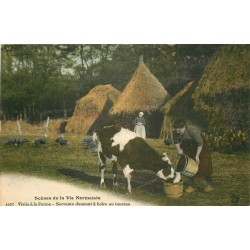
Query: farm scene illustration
(125,124)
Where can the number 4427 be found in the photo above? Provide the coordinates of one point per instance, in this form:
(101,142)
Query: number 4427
(10,204)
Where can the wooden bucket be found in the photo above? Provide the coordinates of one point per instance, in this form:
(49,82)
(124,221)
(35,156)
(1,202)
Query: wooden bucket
(173,190)
(188,165)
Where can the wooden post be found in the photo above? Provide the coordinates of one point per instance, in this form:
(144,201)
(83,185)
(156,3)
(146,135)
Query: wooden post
(141,59)
(46,127)
(19,127)
(25,114)
(33,108)
(65,112)
(1,118)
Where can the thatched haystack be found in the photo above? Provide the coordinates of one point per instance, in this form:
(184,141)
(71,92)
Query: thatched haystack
(57,126)
(179,106)
(222,97)
(143,93)
(91,107)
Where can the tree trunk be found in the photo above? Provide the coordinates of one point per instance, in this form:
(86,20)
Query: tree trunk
(33,108)
(65,111)
(25,114)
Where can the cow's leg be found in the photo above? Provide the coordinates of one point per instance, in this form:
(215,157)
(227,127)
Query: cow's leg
(114,171)
(177,174)
(127,172)
(129,183)
(102,166)
(102,170)
(161,175)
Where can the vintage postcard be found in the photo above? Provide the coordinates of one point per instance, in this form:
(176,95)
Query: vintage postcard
(124,125)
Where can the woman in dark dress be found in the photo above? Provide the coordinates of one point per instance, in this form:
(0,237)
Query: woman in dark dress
(188,141)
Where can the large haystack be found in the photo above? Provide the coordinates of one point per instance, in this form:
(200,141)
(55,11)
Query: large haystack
(143,93)
(180,106)
(91,107)
(222,97)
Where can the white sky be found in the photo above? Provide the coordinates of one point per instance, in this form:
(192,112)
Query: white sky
(131,21)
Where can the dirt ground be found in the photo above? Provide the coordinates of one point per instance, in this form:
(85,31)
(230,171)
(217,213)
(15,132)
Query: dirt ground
(22,190)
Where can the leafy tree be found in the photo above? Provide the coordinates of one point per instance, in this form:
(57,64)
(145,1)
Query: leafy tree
(38,80)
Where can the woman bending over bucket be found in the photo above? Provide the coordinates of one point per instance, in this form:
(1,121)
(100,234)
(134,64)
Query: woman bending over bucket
(188,141)
(140,123)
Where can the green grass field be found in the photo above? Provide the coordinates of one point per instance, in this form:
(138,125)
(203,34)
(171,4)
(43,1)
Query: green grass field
(76,165)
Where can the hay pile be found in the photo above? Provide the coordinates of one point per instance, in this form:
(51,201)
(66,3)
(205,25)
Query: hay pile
(179,106)
(57,126)
(173,101)
(143,93)
(11,128)
(90,107)
(222,98)
(228,70)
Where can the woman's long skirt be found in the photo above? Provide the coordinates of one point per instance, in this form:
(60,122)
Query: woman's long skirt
(140,131)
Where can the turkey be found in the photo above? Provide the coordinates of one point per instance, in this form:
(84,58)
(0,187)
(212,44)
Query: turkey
(40,141)
(90,142)
(16,141)
(61,141)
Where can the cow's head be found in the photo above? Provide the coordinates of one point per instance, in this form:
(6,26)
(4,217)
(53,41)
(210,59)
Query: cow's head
(166,158)
(167,172)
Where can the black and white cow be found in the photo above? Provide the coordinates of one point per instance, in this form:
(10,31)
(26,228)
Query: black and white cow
(131,152)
